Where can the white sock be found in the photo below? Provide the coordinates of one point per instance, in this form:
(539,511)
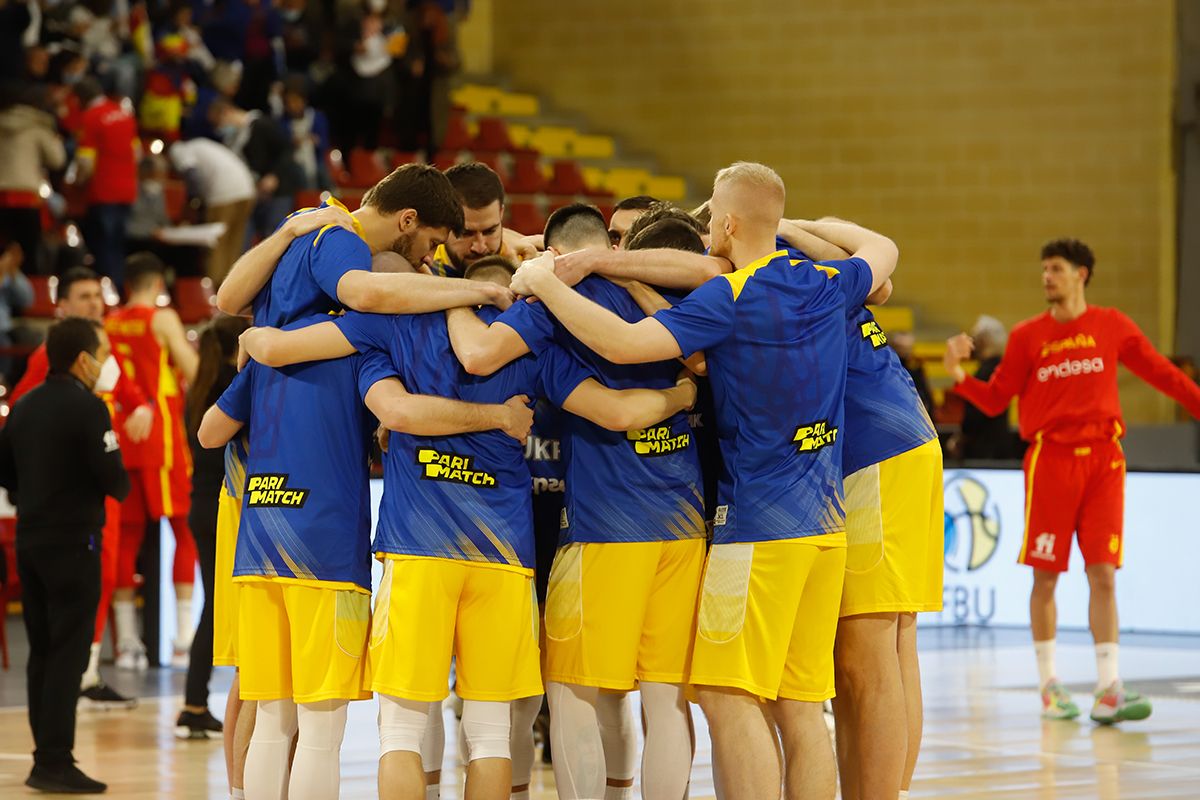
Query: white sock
(1045,661)
(237,794)
(667,755)
(433,792)
(127,626)
(91,676)
(185,628)
(1106,665)
(316,769)
(519,795)
(275,724)
(903,794)
(618,793)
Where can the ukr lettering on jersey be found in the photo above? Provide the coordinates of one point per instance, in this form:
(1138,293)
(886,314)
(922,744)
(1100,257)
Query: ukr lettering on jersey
(539,449)
(657,441)
(270,490)
(872,333)
(452,468)
(813,436)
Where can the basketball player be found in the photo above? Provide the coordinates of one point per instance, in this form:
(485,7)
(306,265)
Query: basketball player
(412,211)
(773,333)
(624,213)
(1062,364)
(80,295)
(482,195)
(157,354)
(631,557)
(455,523)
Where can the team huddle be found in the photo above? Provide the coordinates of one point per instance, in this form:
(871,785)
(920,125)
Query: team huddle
(705,556)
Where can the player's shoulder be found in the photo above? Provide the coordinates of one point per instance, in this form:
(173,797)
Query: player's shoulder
(1030,326)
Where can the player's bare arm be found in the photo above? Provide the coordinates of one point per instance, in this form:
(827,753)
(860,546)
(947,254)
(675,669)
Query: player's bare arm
(958,350)
(273,347)
(880,295)
(168,329)
(808,243)
(877,250)
(603,331)
(673,269)
(425,415)
(217,428)
(413,293)
(252,271)
(521,246)
(481,348)
(650,301)
(630,409)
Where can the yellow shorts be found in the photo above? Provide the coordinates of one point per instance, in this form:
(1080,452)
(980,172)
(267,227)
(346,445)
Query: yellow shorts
(895,528)
(225,591)
(618,613)
(303,642)
(768,616)
(429,609)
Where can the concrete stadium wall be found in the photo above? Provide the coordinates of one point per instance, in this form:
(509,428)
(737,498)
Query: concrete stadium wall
(970,131)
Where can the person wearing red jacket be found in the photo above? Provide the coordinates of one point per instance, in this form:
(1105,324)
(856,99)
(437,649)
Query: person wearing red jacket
(1063,366)
(80,295)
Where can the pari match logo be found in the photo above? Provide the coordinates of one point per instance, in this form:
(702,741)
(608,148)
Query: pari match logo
(972,519)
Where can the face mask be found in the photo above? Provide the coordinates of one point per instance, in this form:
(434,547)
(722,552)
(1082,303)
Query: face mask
(110,372)
(227,131)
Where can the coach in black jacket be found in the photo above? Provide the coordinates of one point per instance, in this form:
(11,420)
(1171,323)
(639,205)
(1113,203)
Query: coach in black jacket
(59,459)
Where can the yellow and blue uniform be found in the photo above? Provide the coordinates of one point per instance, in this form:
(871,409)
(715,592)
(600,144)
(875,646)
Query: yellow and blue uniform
(225,591)
(893,466)
(623,590)
(774,337)
(544,455)
(303,549)
(455,524)
(305,280)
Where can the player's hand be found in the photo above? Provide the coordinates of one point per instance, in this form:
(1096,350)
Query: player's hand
(526,279)
(687,381)
(520,418)
(243,351)
(139,423)
(382,435)
(299,225)
(496,295)
(574,267)
(524,248)
(958,349)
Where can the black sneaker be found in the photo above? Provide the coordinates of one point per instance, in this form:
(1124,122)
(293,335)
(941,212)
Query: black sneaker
(198,726)
(63,780)
(101,696)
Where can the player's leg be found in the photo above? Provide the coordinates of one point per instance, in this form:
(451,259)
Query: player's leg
(265,676)
(746,760)
(433,751)
(243,733)
(131,653)
(575,736)
(667,757)
(489,772)
(524,714)
(809,765)
(910,674)
(183,573)
(93,689)
(402,726)
(618,739)
(316,771)
(267,766)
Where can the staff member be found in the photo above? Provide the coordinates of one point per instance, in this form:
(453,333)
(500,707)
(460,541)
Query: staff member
(59,458)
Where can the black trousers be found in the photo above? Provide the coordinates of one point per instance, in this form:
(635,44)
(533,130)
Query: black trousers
(61,591)
(203,522)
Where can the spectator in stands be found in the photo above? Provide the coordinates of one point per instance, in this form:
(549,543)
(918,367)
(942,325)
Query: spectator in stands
(433,59)
(267,151)
(29,147)
(365,46)
(181,25)
(984,437)
(303,26)
(14,20)
(224,81)
(148,214)
(107,160)
(309,129)
(624,213)
(902,342)
(169,90)
(216,175)
(16,294)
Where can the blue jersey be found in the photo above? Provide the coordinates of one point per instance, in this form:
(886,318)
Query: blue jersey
(306,278)
(774,338)
(306,513)
(884,414)
(543,450)
(236,457)
(463,497)
(636,486)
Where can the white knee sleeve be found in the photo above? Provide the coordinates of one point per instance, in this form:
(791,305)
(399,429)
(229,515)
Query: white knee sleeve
(486,725)
(614,715)
(401,724)
(524,713)
(433,746)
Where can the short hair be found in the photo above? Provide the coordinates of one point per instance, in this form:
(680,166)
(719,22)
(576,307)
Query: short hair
(141,269)
(703,214)
(296,84)
(88,89)
(661,211)
(575,226)
(67,339)
(424,189)
(666,232)
(71,277)
(752,173)
(496,262)
(477,185)
(1074,251)
(639,202)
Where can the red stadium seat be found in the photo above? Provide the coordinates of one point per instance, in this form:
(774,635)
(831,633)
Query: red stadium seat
(493,135)
(556,201)
(43,302)
(366,170)
(525,218)
(337,168)
(308,198)
(527,175)
(445,159)
(457,136)
(175,197)
(492,160)
(195,299)
(402,157)
(351,198)
(566,179)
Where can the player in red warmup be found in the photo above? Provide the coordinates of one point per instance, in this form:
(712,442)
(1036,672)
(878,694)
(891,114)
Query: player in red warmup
(1063,366)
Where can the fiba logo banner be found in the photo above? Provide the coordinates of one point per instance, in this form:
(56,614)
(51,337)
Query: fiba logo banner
(972,521)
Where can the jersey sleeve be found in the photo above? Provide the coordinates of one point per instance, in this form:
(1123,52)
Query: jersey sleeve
(853,279)
(704,319)
(371,367)
(532,323)
(1006,381)
(1136,353)
(337,251)
(235,400)
(560,373)
(366,331)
